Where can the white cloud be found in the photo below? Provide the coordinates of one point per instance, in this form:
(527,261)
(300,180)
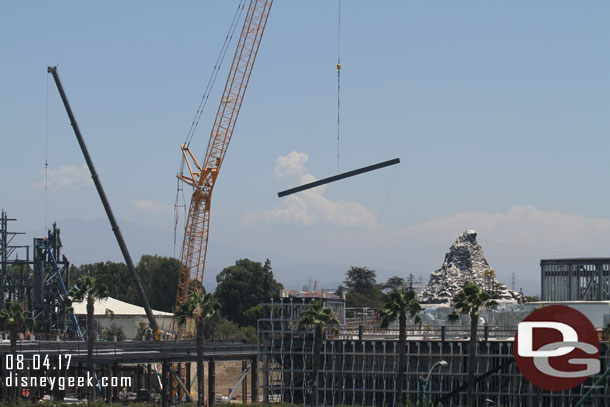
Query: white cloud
(513,241)
(311,206)
(524,226)
(152,206)
(65,177)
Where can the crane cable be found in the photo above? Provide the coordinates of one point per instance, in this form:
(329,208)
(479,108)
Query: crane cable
(215,71)
(338,85)
(200,109)
(46,157)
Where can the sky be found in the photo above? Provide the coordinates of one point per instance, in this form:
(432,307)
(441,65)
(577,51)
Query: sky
(499,112)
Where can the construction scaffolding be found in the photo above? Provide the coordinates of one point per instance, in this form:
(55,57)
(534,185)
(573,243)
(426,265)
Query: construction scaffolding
(360,370)
(15,266)
(581,279)
(35,282)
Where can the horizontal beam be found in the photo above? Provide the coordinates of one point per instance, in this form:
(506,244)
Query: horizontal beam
(338,177)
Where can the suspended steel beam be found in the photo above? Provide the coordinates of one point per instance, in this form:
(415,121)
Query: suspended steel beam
(338,177)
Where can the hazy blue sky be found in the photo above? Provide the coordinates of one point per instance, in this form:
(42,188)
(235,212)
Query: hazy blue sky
(499,112)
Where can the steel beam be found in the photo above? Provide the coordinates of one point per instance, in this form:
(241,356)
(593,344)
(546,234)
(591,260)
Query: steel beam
(338,177)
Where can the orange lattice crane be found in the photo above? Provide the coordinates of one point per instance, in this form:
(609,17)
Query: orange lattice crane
(202,177)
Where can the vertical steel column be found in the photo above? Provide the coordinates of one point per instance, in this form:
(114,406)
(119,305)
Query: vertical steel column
(179,388)
(211,382)
(254,384)
(3,255)
(115,373)
(244,384)
(3,373)
(164,383)
(148,373)
(187,366)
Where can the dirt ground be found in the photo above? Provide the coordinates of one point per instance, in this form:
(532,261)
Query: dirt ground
(227,374)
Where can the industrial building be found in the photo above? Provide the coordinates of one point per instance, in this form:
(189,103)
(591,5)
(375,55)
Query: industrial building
(577,279)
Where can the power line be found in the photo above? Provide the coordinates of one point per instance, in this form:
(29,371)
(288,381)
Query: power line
(215,71)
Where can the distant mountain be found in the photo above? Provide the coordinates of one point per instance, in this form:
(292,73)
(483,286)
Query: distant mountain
(93,241)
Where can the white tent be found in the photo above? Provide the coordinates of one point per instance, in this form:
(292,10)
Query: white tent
(119,308)
(123,314)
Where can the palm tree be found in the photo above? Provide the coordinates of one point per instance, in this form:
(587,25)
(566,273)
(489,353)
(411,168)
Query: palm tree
(319,317)
(89,288)
(470,300)
(14,319)
(199,307)
(398,305)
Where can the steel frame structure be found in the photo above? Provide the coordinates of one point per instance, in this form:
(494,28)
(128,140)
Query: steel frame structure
(34,282)
(48,309)
(15,276)
(578,279)
(362,372)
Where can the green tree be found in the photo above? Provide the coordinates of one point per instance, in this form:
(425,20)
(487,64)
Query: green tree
(470,300)
(244,286)
(15,320)
(398,305)
(362,288)
(159,277)
(112,332)
(117,278)
(142,331)
(219,327)
(199,307)
(89,289)
(392,284)
(17,274)
(318,317)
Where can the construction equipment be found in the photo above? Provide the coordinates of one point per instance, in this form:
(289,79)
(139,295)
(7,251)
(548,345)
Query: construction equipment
(202,177)
(100,190)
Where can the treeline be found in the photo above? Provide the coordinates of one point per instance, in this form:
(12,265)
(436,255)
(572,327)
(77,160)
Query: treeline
(362,289)
(240,289)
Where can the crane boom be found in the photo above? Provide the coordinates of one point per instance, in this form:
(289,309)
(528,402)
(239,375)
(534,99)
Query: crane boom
(203,177)
(100,190)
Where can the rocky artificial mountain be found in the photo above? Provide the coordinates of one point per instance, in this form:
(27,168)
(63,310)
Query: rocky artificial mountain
(465,262)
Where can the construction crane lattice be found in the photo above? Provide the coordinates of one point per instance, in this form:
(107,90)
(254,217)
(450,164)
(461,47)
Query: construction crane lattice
(202,177)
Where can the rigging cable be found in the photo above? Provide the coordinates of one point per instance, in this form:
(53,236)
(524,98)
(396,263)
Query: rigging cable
(215,71)
(200,109)
(338,85)
(385,202)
